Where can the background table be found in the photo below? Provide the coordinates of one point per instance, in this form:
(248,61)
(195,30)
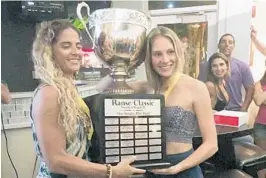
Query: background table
(225,157)
(229,132)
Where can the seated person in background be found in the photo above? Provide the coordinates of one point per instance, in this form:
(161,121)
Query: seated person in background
(260,123)
(61,122)
(218,71)
(5,94)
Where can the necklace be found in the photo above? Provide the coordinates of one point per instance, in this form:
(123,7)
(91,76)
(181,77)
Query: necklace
(170,83)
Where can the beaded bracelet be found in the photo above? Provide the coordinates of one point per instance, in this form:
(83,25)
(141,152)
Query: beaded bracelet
(109,171)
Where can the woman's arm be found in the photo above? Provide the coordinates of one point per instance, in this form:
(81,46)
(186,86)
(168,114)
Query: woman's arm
(259,95)
(203,111)
(104,83)
(259,45)
(52,138)
(212,92)
(52,141)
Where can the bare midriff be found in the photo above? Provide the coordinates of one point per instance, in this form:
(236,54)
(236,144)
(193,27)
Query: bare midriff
(176,147)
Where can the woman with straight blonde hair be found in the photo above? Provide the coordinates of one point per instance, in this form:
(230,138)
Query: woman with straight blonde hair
(187,101)
(187,105)
(61,122)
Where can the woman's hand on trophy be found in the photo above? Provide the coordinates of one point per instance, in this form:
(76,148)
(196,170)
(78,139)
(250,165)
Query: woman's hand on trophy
(124,170)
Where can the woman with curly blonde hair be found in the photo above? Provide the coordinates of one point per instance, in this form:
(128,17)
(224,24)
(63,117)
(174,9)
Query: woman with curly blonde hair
(61,122)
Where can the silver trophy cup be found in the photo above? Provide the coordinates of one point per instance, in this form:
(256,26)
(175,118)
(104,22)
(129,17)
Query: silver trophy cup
(118,37)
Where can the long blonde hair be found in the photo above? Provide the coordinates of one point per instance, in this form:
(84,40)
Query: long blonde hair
(153,77)
(49,73)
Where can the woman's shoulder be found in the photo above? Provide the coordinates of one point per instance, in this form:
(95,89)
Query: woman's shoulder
(193,83)
(209,84)
(258,83)
(259,86)
(45,91)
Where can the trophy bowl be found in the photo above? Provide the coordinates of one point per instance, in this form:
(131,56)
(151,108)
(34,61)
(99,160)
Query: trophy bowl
(118,37)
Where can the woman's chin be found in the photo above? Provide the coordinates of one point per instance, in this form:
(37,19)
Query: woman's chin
(165,74)
(75,69)
(220,76)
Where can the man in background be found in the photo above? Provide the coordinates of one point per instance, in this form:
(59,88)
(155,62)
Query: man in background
(240,76)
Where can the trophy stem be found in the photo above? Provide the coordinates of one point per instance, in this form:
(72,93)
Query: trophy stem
(119,74)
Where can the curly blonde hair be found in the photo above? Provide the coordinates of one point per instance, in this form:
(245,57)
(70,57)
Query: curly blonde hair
(49,73)
(153,77)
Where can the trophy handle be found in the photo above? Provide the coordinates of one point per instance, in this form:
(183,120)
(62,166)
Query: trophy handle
(79,7)
(149,24)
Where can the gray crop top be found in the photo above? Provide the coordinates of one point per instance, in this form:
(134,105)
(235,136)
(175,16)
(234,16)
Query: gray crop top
(180,124)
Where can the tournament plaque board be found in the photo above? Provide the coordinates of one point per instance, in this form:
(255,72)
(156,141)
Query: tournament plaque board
(132,125)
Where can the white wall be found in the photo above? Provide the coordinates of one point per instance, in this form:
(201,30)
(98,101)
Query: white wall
(259,65)
(21,149)
(235,17)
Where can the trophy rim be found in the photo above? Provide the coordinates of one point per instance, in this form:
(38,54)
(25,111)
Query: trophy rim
(96,21)
(112,21)
(122,9)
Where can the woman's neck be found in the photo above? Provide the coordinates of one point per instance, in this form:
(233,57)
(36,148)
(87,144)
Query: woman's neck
(166,82)
(220,81)
(69,76)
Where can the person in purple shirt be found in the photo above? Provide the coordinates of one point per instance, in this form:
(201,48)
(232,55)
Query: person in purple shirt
(240,76)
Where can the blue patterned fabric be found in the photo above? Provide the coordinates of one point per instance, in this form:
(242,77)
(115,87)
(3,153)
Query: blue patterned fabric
(72,149)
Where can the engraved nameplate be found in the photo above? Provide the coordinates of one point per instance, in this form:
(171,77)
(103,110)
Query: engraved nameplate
(132,107)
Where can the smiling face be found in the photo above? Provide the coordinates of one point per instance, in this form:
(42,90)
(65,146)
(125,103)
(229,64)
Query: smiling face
(67,51)
(163,56)
(227,45)
(219,68)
